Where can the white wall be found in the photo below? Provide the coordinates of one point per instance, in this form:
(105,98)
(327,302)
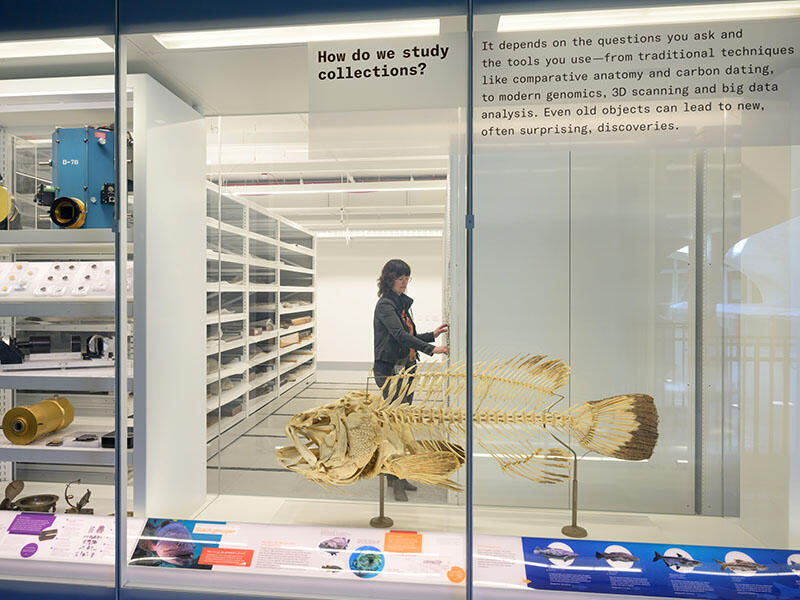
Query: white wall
(347,291)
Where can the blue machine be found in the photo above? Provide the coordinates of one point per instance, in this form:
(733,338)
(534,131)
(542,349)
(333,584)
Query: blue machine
(82,194)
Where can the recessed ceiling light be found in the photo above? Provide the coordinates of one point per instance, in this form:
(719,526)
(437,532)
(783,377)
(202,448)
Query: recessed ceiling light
(659,15)
(302,34)
(54,47)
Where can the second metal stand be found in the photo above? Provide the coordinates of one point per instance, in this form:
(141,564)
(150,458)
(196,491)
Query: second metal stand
(381,520)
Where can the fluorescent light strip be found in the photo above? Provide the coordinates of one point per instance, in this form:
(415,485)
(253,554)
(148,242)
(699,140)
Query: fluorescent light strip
(321,188)
(701,13)
(379,233)
(265,36)
(55,47)
(60,92)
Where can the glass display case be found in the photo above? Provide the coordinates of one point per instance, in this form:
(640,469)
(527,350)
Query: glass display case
(595,213)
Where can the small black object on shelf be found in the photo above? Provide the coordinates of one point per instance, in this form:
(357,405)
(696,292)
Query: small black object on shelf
(108,441)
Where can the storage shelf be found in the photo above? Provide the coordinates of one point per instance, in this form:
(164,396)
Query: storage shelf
(267,335)
(296,309)
(227,227)
(225,257)
(273,251)
(262,262)
(223,425)
(87,379)
(225,287)
(265,239)
(215,347)
(258,403)
(70,242)
(237,368)
(39,452)
(60,306)
(299,380)
(285,267)
(297,328)
(254,362)
(297,248)
(212,318)
(297,346)
(292,366)
(265,378)
(226,397)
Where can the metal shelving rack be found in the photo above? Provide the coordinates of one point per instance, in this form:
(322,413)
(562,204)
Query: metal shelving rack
(90,389)
(261,274)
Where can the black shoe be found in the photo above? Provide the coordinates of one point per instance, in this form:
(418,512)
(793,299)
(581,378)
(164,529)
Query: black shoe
(400,494)
(409,486)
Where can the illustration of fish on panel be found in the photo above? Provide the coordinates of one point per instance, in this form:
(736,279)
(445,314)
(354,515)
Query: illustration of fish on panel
(362,435)
(616,556)
(678,560)
(555,553)
(741,565)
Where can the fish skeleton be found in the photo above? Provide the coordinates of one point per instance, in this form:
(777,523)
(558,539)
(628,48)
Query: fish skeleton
(555,553)
(617,556)
(739,564)
(362,435)
(677,561)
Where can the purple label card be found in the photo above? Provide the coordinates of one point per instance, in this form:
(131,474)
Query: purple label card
(28,550)
(31,523)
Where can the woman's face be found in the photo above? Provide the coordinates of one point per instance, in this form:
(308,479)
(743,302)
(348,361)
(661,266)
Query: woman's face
(400,284)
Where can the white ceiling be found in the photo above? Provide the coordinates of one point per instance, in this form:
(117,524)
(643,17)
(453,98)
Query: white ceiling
(263,133)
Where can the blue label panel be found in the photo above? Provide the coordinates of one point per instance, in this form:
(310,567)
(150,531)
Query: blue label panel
(675,571)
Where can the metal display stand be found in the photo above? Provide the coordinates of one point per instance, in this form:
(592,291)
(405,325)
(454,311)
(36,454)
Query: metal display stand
(381,521)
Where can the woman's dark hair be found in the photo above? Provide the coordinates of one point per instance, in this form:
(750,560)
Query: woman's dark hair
(392,270)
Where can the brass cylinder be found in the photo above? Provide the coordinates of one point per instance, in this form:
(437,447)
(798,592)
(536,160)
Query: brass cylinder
(24,424)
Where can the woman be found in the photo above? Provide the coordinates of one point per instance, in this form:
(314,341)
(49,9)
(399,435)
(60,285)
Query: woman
(396,341)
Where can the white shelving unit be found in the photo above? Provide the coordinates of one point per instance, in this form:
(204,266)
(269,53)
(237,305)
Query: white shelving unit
(261,275)
(166,243)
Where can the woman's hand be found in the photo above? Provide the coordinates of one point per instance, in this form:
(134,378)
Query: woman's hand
(441,350)
(443,328)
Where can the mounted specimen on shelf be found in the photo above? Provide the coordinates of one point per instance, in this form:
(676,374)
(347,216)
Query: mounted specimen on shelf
(362,435)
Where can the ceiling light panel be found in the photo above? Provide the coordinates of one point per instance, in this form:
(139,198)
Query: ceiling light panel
(661,15)
(54,47)
(265,36)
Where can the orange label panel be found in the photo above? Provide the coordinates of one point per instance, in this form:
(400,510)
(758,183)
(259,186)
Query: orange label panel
(226,557)
(402,541)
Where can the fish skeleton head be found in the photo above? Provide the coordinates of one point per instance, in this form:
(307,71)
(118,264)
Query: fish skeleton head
(334,444)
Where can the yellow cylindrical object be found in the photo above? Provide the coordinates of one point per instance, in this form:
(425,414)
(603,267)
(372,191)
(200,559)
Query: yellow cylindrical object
(24,424)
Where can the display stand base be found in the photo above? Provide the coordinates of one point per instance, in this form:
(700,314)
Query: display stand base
(381,521)
(575,531)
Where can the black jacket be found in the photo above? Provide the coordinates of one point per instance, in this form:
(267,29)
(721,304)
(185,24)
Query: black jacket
(392,340)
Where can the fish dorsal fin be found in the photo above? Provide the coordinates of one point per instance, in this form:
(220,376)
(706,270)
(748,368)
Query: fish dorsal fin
(522,383)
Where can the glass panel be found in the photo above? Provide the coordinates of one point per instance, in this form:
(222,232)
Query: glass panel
(57,301)
(624,162)
(345,151)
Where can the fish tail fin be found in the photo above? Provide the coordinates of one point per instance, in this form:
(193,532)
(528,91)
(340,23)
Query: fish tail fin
(623,427)
(657,557)
(721,564)
(598,556)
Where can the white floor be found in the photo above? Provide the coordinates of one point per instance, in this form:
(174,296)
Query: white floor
(636,527)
